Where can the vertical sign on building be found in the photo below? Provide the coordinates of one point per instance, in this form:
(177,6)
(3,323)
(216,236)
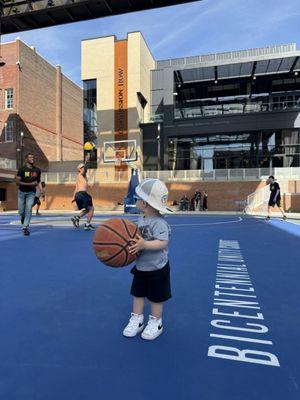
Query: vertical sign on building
(121,97)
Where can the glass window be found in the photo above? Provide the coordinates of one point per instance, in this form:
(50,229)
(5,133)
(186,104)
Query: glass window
(259,149)
(90,123)
(90,108)
(9,131)
(277,161)
(9,98)
(292,161)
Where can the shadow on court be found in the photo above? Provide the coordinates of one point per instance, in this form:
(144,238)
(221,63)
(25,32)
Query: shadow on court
(63,313)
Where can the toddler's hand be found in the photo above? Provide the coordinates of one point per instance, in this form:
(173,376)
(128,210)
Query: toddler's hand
(138,244)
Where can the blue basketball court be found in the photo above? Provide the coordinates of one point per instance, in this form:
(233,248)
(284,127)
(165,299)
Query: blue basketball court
(231,329)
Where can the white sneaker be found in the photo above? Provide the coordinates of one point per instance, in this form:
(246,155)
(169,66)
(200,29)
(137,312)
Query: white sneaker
(134,326)
(153,329)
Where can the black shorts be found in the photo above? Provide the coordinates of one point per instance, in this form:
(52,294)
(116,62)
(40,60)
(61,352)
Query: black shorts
(83,201)
(154,285)
(37,201)
(277,202)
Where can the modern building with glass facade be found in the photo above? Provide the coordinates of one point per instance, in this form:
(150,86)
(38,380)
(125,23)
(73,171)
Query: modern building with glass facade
(238,109)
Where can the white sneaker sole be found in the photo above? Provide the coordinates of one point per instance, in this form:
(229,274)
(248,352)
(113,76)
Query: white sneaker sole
(146,337)
(129,334)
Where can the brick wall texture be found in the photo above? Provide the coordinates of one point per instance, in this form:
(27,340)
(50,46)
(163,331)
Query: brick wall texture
(47,108)
(222,196)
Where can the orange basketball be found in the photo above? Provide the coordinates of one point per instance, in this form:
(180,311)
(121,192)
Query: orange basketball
(111,241)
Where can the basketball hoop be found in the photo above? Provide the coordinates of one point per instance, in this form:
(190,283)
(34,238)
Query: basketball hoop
(118,162)
(126,150)
(119,157)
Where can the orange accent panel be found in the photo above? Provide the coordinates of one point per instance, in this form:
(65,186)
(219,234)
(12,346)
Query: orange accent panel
(121,96)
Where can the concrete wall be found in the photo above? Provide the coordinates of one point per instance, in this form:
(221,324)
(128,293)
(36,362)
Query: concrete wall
(140,62)
(97,62)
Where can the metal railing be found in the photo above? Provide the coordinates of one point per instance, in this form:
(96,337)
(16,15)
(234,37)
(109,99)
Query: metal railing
(229,55)
(233,108)
(260,198)
(239,174)
(257,198)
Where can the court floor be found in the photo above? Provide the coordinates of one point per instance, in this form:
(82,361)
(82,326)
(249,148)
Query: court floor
(231,329)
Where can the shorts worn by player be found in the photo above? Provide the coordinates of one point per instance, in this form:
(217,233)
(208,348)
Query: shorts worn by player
(154,285)
(83,200)
(273,202)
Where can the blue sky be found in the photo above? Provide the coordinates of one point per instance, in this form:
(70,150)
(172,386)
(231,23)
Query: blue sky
(201,27)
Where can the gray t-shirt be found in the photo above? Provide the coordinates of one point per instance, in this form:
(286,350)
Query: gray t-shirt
(153,228)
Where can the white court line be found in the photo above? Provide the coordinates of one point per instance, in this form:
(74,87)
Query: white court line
(68,224)
(53,221)
(291,222)
(211,223)
(15,235)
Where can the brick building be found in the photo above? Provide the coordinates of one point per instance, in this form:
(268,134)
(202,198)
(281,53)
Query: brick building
(40,109)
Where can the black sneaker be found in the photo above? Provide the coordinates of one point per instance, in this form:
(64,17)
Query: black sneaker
(284,217)
(89,227)
(75,221)
(26,232)
(268,218)
(22,220)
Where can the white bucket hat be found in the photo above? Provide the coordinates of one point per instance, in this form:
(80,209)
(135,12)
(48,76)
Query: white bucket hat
(155,193)
(79,166)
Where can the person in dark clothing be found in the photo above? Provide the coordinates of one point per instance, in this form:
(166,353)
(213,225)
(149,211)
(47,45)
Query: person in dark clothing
(184,204)
(205,197)
(192,204)
(197,201)
(275,197)
(28,179)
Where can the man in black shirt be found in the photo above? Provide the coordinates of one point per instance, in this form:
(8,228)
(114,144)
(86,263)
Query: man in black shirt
(205,197)
(275,198)
(27,179)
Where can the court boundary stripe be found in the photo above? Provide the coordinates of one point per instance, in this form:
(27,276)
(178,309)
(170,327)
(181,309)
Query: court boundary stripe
(211,223)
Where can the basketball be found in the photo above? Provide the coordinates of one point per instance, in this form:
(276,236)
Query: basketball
(111,241)
(88,146)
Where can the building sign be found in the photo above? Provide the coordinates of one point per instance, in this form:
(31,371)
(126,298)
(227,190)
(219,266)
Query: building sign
(121,98)
(121,91)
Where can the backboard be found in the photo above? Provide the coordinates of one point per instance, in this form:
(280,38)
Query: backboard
(119,151)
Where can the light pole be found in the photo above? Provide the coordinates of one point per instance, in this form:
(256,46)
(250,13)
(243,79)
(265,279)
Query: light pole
(20,149)
(158,146)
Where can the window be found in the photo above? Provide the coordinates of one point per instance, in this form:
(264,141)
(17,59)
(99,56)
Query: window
(90,123)
(257,149)
(90,109)
(9,131)
(9,98)
(2,194)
